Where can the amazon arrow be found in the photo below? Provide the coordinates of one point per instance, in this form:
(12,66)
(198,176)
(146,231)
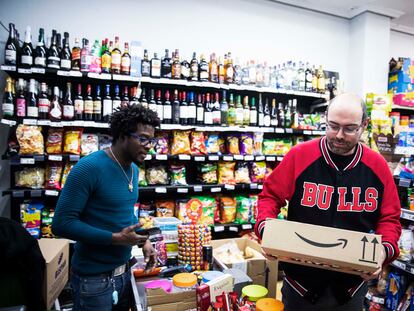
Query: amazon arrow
(318,244)
(375,242)
(364,240)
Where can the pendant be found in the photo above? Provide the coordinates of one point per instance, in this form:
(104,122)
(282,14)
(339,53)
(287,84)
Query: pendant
(130,187)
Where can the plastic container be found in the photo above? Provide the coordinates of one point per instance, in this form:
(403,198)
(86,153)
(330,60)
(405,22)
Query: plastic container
(211,275)
(184,282)
(269,304)
(254,292)
(163,284)
(167,223)
(404,121)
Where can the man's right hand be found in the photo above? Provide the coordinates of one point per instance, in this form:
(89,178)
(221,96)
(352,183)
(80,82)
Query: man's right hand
(128,236)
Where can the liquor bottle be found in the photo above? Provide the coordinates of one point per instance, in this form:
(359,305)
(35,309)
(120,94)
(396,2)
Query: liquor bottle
(314,80)
(253,112)
(126,61)
(97,105)
(65,56)
(85,61)
(145,65)
(260,112)
(301,77)
(95,57)
(224,109)
(288,115)
(321,80)
(267,119)
(116,100)
(183,110)
(160,106)
(266,74)
(245,75)
(116,58)
(213,69)
(229,69)
(231,119)
(21,99)
(281,115)
(221,70)
(32,108)
(152,104)
(239,111)
(55,112)
(40,52)
(167,111)
(176,66)
(176,109)
(26,55)
(295,114)
(59,43)
(238,72)
(200,109)
(68,108)
(144,101)
(259,74)
(308,78)
(216,110)
(274,121)
(155,66)
(106,58)
(203,69)
(79,104)
(208,112)
(185,69)
(125,97)
(8,100)
(134,100)
(107,104)
(53,59)
(191,110)
(12,46)
(194,68)
(246,111)
(76,54)
(252,73)
(166,65)
(88,104)
(295,78)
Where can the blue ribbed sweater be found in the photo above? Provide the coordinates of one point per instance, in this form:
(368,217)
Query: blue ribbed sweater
(94,203)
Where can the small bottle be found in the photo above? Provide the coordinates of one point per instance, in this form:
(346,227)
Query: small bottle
(21,99)
(185,69)
(203,69)
(216,110)
(221,70)
(231,119)
(95,58)
(176,109)
(88,104)
(43,102)
(155,66)
(12,46)
(253,113)
(106,58)
(239,111)
(79,104)
(208,112)
(145,65)
(213,69)
(281,115)
(183,110)
(126,61)
(97,105)
(76,55)
(274,121)
(53,58)
(116,58)
(229,70)
(40,52)
(191,110)
(176,66)
(85,61)
(116,100)
(8,101)
(194,68)
(160,107)
(224,108)
(166,65)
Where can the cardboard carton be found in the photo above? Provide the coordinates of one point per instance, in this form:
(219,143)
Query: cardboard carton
(207,293)
(322,247)
(56,254)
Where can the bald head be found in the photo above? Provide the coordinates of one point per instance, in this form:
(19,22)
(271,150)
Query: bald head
(348,104)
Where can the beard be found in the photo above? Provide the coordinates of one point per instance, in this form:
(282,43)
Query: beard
(342,148)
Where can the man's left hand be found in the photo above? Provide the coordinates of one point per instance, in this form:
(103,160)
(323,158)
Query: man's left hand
(150,256)
(374,275)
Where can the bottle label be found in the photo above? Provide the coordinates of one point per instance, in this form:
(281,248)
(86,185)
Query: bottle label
(266,120)
(40,61)
(106,62)
(274,122)
(44,105)
(97,107)
(229,74)
(116,104)
(200,114)
(208,117)
(107,107)
(239,116)
(10,56)
(192,112)
(253,116)
(116,61)
(217,117)
(21,107)
(32,112)
(261,119)
(65,63)
(203,75)
(76,54)
(160,111)
(53,62)
(146,67)
(56,111)
(185,71)
(8,109)
(95,64)
(68,111)
(85,62)
(177,71)
(27,60)
(88,106)
(126,64)
(78,106)
(167,112)
(194,71)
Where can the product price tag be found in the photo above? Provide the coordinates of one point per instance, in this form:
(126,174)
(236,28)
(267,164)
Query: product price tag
(51,193)
(199,159)
(260,187)
(24,70)
(93,75)
(247,227)
(238,157)
(248,158)
(412,270)
(215,189)
(148,157)
(78,123)
(18,194)
(289,131)
(43,122)
(271,159)
(161,190)
(38,70)
(234,229)
(184,157)
(89,124)
(30,121)
(161,157)
(279,159)
(318,132)
(227,158)
(8,68)
(35,193)
(27,161)
(368,296)
(63,73)
(8,122)
(279,130)
(56,124)
(182,190)
(229,187)
(74,158)
(399,264)
(55,158)
(75,73)
(118,77)
(307,132)
(213,158)
(218,228)
(378,300)
(66,123)
(260,158)
(253,186)
(104,76)
(198,188)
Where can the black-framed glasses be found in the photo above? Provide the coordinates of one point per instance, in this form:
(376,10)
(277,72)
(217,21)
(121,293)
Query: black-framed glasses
(347,129)
(145,141)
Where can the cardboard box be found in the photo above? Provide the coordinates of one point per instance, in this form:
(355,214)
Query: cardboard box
(207,293)
(322,247)
(56,254)
(256,268)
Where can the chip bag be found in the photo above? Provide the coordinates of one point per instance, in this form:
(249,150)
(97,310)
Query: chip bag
(244,208)
(30,139)
(165,208)
(46,224)
(72,142)
(207,173)
(181,143)
(233,144)
(258,172)
(178,175)
(181,211)
(54,140)
(242,173)
(228,209)
(157,175)
(30,177)
(89,144)
(258,144)
(212,144)
(198,146)
(105,141)
(226,173)
(142,181)
(66,171)
(53,175)
(208,207)
(162,146)
(246,144)
(31,217)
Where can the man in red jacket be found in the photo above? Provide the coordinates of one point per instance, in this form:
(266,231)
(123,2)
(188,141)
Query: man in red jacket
(334,181)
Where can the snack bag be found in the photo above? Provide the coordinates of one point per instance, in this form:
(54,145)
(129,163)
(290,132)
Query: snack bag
(246,144)
(254,198)
(178,175)
(181,143)
(66,171)
(31,217)
(30,139)
(162,146)
(54,140)
(258,172)
(72,142)
(181,211)
(157,175)
(222,145)
(244,207)
(142,181)
(164,208)
(89,144)
(233,144)
(228,208)
(207,173)
(46,225)
(208,207)
(226,173)
(258,144)
(105,141)
(242,173)
(212,144)
(269,147)
(33,177)
(198,146)
(53,175)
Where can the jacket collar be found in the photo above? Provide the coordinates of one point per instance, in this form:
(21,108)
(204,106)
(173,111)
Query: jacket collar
(325,153)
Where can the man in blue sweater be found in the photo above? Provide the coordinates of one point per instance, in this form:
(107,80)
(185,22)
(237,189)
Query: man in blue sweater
(96,209)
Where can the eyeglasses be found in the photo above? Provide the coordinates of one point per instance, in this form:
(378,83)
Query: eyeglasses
(145,141)
(347,130)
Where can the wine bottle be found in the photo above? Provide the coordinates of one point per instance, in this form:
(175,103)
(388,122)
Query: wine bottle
(10,53)
(40,52)
(65,56)
(26,57)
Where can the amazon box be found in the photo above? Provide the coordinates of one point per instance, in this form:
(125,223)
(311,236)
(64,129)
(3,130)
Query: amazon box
(322,247)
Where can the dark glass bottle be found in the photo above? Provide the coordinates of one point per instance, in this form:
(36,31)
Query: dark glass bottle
(260,112)
(185,70)
(194,68)
(26,55)
(145,65)
(191,110)
(126,61)
(224,109)
(32,108)
(53,59)
(176,109)
(68,107)
(59,42)
(281,115)
(160,107)
(116,100)
(97,105)
(88,104)
(152,104)
(55,112)
(208,112)
(183,110)
(144,101)
(8,100)
(166,66)
(66,55)
(253,112)
(10,53)
(267,119)
(40,52)
(79,104)
(274,119)
(76,55)
(107,104)
(167,111)
(125,97)
(155,66)
(200,110)
(203,71)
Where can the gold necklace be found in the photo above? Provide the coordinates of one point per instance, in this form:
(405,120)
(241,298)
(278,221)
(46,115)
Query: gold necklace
(130,181)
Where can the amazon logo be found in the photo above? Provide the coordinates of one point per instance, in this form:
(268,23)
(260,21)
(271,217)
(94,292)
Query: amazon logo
(340,242)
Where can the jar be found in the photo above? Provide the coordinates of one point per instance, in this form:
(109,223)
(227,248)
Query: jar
(184,282)
(404,121)
(269,304)
(254,292)
(211,275)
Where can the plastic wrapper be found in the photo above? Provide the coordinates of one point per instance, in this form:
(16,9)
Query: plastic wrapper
(226,173)
(105,141)
(178,175)
(258,172)
(181,210)
(53,175)
(161,250)
(222,145)
(207,173)
(269,147)
(30,139)
(72,142)
(162,146)
(244,210)
(157,175)
(228,209)
(241,174)
(233,144)
(181,143)
(31,217)
(145,214)
(164,208)
(33,177)
(254,199)
(89,144)
(212,144)
(46,225)
(258,144)
(405,244)
(142,181)
(208,207)
(246,144)
(198,146)
(66,171)
(54,140)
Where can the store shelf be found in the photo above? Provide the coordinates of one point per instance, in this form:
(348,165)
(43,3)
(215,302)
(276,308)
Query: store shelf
(394,106)
(33,159)
(403,182)
(407,214)
(218,228)
(405,266)
(203,158)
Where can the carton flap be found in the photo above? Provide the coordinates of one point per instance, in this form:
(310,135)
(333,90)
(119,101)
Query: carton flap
(51,247)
